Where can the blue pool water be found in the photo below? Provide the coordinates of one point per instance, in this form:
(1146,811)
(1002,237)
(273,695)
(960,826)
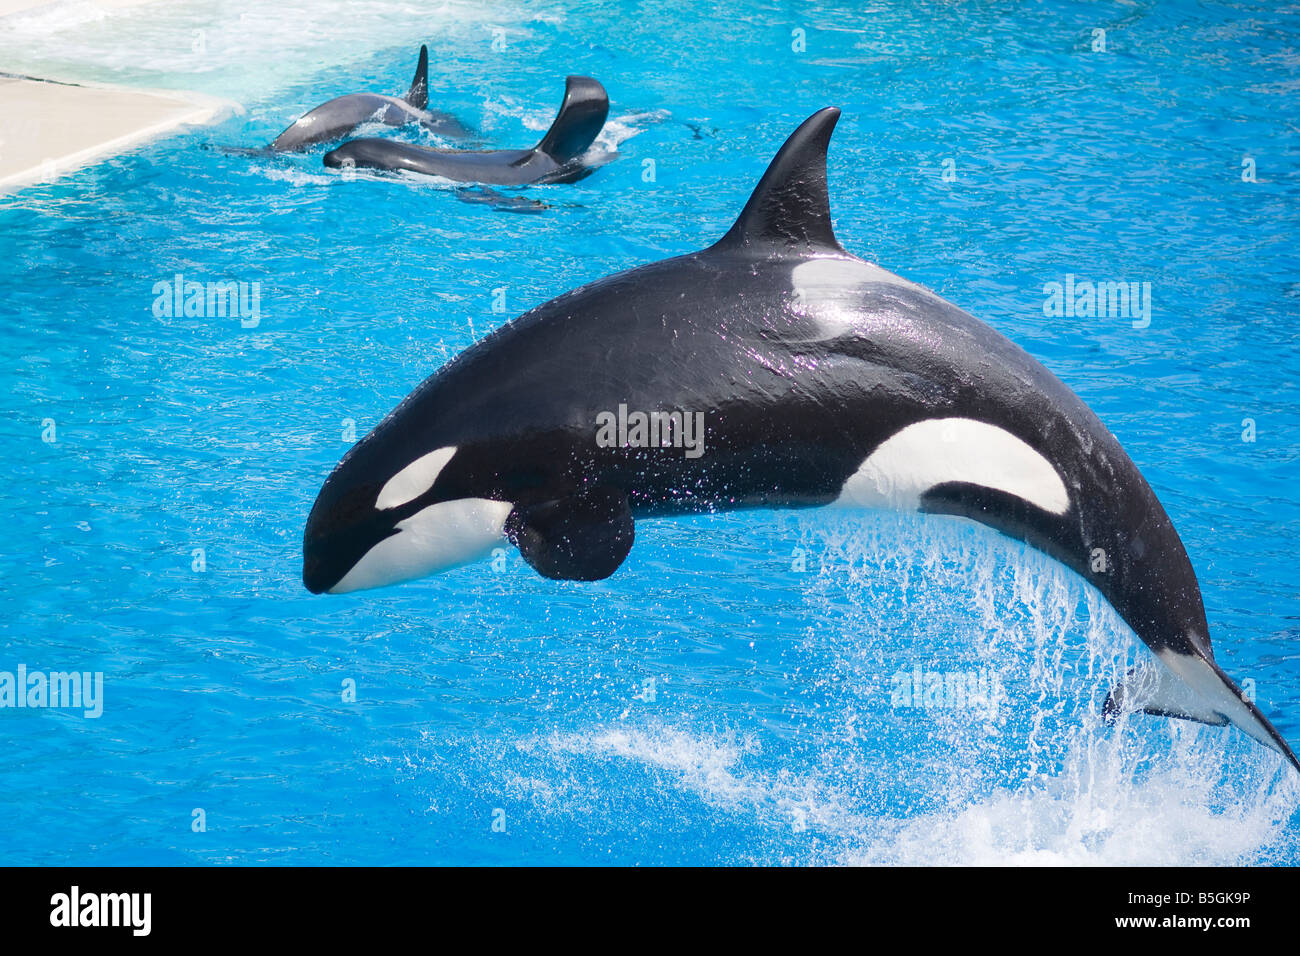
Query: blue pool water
(710,703)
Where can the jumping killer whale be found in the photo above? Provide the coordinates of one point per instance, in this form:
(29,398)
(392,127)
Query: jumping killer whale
(554,160)
(342,115)
(822,379)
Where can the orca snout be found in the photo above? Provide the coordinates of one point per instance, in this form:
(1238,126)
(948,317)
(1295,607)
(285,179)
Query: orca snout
(320,563)
(314,576)
(341,528)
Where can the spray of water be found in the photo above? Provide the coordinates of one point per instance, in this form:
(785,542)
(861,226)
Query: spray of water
(1044,780)
(1032,776)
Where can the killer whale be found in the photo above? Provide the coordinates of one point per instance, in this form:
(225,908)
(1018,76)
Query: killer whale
(823,379)
(555,159)
(340,116)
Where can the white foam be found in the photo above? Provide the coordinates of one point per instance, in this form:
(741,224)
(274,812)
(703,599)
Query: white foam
(252,50)
(294,176)
(1104,810)
(709,765)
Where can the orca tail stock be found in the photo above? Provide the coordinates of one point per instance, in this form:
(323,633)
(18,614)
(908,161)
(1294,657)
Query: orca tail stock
(580,119)
(418,94)
(1192,686)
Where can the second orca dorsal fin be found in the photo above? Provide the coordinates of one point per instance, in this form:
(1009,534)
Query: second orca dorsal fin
(418,94)
(580,120)
(791,205)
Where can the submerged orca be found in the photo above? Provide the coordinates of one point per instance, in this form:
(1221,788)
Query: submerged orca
(554,160)
(341,116)
(773,369)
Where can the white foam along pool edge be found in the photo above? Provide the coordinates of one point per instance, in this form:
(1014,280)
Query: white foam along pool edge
(50,127)
(22,6)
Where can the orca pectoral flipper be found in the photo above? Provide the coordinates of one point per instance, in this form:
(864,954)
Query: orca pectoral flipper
(418,94)
(580,537)
(582,116)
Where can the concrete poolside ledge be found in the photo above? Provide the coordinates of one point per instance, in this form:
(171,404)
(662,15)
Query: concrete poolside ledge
(49,127)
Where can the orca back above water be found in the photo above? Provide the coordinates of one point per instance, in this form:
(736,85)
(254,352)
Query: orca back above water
(773,369)
(340,116)
(556,159)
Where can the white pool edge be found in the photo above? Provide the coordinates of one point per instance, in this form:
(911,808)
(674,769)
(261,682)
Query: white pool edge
(69,146)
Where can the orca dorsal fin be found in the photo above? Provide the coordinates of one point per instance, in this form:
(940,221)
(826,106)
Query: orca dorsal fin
(791,205)
(418,94)
(580,120)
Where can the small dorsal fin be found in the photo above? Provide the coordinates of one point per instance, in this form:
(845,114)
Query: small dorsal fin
(791,204)
(418,94)
(580,120)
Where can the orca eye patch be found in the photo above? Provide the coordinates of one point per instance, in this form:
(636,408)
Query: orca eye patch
(415,479)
